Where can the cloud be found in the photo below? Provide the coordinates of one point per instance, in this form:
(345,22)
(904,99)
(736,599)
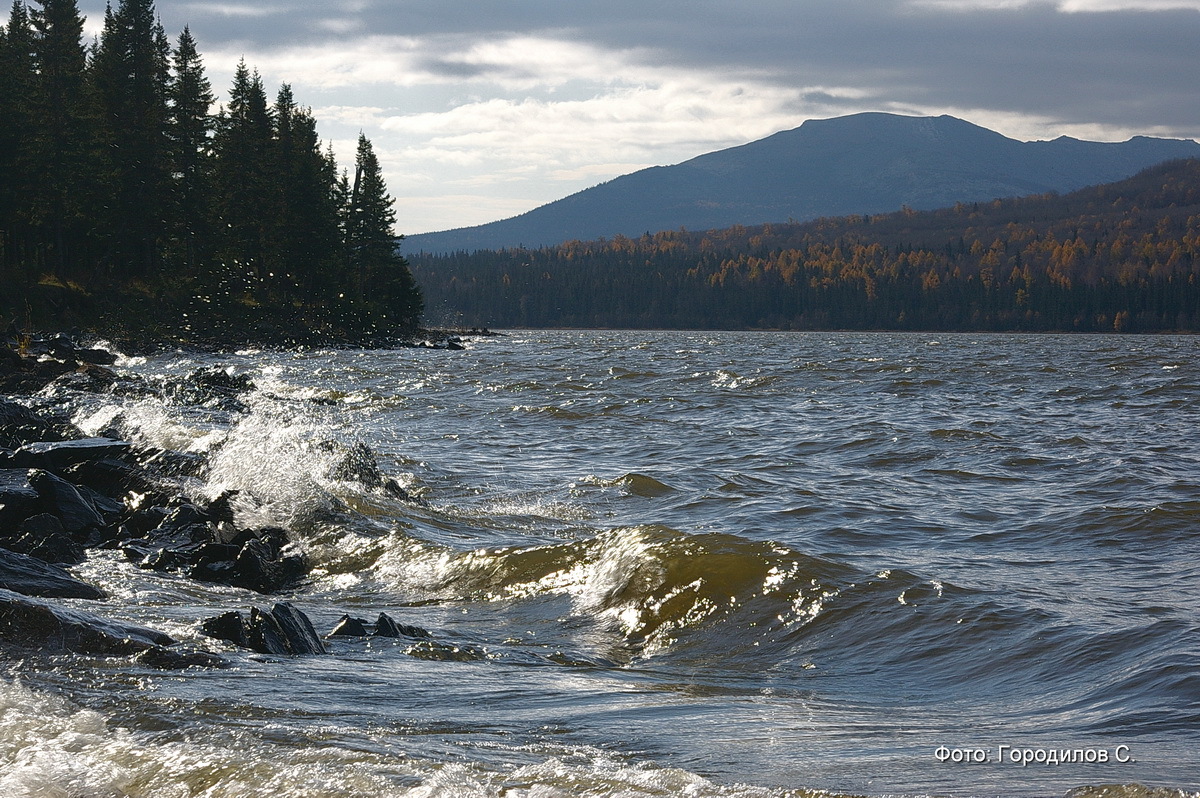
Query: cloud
(523,101)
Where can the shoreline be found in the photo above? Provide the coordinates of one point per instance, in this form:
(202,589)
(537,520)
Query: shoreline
(64,494)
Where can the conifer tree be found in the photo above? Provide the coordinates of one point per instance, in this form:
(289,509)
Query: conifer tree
(382,282)
(189,128)
(242,181)
(62,144)
(130,74)
(306,242)
(17,78)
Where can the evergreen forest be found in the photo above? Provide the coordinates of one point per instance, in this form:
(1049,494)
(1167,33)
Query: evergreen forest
(132,207)
(1119,257)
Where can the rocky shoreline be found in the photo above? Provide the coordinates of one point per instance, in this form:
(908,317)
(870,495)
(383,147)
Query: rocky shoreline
(64,494)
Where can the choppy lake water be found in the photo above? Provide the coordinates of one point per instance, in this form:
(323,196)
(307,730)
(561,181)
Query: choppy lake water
(705,564)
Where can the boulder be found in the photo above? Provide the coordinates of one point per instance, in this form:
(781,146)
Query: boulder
(20,425)
(42,536)
(215,388)
(109,476)
(29,623)
(284,630)
(29,576)
(58,455)
(18,497)
(386,627)
(349,627)
(253,559)
(169,659)
(65,501)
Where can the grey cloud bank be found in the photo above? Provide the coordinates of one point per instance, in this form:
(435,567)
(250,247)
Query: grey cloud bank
(434,80)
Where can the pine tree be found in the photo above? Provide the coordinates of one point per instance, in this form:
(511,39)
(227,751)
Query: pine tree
(190,125)
(382,283)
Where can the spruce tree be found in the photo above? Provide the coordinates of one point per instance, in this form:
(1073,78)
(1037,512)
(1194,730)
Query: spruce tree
(62,145)
(242,184)
(306,242)
(383,288)
(189,127)
(130,73)
(17,80)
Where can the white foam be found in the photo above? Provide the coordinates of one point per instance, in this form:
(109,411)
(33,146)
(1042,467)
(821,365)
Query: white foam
(50,748)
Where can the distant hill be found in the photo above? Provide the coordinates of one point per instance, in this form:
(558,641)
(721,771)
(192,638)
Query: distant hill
(1121,257)
(865,163)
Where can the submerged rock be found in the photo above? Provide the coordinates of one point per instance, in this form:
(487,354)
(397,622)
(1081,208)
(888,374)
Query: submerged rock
(167,659)
(349,627)
(30,623)
(29,576)
(283,630)
(386,627)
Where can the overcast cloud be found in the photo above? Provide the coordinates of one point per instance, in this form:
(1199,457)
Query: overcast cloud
(484,109)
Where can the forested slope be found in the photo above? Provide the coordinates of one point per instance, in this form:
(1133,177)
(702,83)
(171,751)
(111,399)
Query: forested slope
(1121,256)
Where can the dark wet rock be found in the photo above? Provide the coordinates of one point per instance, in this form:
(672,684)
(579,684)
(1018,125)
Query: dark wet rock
(29,576)
(29,375)
(88,379)
(261,566)
(282,630)
(139,522)
(30,623)
(95,356)
(253,559)
(357,463)
(349,627)
(386,627)
(64,500)
(221,508)
(20,425)
(171,659)
(18,497)
(168,464)
(393,487)
(109,476)
(446,652)
(211,551)
(298,630)
(229,626)
(58,455)
(214,387)
(43,537)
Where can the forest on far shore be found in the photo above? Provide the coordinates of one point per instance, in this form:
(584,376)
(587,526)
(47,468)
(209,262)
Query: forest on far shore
(1119,257)
(130,208)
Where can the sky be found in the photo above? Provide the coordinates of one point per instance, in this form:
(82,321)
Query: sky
(484,109)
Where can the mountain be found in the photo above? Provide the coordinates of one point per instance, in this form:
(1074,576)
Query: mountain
(865,163)
(1117,257)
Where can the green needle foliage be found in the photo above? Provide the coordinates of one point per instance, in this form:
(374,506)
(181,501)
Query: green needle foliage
(128,206)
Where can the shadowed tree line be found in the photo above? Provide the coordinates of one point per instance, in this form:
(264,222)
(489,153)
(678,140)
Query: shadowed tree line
(1121,257)
(128,206)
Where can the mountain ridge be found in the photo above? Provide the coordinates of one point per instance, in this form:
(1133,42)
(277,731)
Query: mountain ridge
(862,163)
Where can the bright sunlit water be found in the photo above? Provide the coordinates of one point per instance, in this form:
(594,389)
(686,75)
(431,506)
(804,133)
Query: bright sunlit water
(707,564)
